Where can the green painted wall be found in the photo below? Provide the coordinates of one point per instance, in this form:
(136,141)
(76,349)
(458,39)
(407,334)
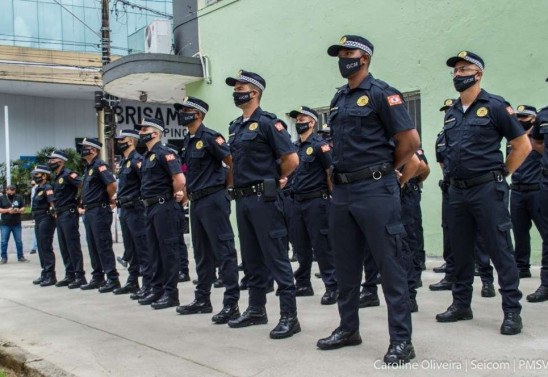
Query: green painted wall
(286,41)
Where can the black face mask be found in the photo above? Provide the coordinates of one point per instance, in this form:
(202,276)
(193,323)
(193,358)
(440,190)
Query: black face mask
(301,127)
(462,83)
(184,119)
(526,124)
(122,146)
(85,152)
(38,180)
(145,138)
(241,97)
(53,165)
(349,66)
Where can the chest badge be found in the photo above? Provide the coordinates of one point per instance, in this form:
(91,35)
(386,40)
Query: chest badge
(199,144)
(128,164)
(152,157)
(90,172)
(309,151)
(41,193)
(482,111)
(362,101)
(60,181)
(253,126)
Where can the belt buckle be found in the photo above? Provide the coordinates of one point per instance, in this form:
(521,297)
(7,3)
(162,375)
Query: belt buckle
(161,200)
(324,196)
(377,174)
(499,178)
(104,205)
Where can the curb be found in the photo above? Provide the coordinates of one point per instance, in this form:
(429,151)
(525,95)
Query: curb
(26,364)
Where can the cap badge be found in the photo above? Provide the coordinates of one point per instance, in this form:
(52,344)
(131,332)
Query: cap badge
(482,111)
(521,108)
(362,101)
(342,40)
(448,102)
(462,54)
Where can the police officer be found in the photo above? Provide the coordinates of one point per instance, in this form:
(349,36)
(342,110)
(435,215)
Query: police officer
(540,143)
(525,196)
(205,151)
(44,226)
(132,213)
(311,193)
(98,190)
(372,135)
(257,140)
(161,179)
(478,192)
(66,184)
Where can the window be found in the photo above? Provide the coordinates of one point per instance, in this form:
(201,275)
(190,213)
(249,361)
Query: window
(413,101)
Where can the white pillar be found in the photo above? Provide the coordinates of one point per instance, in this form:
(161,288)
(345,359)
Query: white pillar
(7,146)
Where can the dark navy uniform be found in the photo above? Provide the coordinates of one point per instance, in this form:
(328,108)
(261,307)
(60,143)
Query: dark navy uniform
(44,228)
(164,218)
(309,222)
(256,144)
(132,219)
(478,194)
(98,219)
(65,187)
(365,216)
(212,235)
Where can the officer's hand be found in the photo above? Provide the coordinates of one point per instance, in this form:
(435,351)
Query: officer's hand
(81,211)
(114,197)
(283,182)
(179,196)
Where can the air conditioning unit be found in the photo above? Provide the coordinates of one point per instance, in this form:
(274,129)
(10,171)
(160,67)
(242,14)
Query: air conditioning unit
(158,37)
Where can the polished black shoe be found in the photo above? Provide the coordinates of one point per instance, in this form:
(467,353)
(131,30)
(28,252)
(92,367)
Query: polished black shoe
(65,282)
(368,299)
(165,302)
(330,297)
(93,284)
(418,284)
(512,324)
(143,292)
(183,276)
(454,314)
(488,290)
(399,353)
(440,269)
(253,315)
(243,285)
(340,338)
(442,285)
(318,275)
(33,251)
(241,267)
(38,280)
(540,295)
(110,286)
(294,258)
(423,266)
(195,281)
(195,307)
(286,327)
(218,283)
(129,287)
(476,271)
(77,283)
(149,298)
(122,261)
(226,314)
(413,305)
(304,291)
(524,274)
(48,280)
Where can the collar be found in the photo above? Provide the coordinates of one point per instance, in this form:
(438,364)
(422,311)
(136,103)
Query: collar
(92,162)
(254,117)
(483,96)
(155,147)
(199,131)
(365,84)
(130,155)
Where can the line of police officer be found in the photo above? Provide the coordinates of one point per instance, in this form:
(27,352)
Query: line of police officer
(374,154)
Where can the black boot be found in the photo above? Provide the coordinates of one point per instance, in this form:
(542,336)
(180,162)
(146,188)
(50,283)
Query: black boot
(39,279)
(65,282)
(129,287)
(110,286)
(440,269)
(488,290)
(368,299)
(540,295)
(93,284)
(413,305)
(165,302)
(202,305)
(48,280)
(286,327)
(150,298)
(141,293)
(512,324)
(442,285)
(330,296)
(218,283)
(523,274)
(253,315)
(304,291)
(183,276)
(399,353)
(454,314)
(226,314)
(340,338)
(78,282)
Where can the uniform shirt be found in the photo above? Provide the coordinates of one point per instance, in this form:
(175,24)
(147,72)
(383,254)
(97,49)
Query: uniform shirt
(157,169)
(96,178)
(256,144)
(11,201)
(473,138)
(65,187)
(43,197)
(314,160)
(203,153)
(529,171)
(362,121)
(129,178)
(540,132)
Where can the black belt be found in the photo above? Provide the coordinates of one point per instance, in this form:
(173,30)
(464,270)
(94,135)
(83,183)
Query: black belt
(545,171)
(95,205)
(522,187)
(375,172)
(128,202)
(70,207)
(444,184)
(240,192)
(484,178)
(311,195)
(40,212)
(199,194)
(410,187)
(156,200)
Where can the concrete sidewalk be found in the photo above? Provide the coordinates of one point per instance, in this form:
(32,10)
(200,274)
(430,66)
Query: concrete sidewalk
(92,334)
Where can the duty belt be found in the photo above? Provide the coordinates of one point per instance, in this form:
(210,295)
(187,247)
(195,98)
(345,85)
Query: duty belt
(40,212)
(128,201)
(410,187)
(70,207)
(311,195)
(375,172)
(240,192)
(95,205)
(545,171)
(199,194)
(161,199)
(476,181)
(444,184)
(524,188)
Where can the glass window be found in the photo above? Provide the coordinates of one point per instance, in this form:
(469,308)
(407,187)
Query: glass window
(25,23)
(49,28)
(6,22)
(73,30)
(92,17)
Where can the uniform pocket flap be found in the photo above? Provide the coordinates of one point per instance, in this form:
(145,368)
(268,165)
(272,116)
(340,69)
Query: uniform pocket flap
(278,233)
(360,112)
(480,121)
(226,236)
(394,229)
(249,135)
(504,227)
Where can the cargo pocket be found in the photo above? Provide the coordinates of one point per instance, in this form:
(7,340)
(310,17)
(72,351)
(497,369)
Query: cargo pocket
(398,232)
(279,239)
(172,245)
(504,228)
